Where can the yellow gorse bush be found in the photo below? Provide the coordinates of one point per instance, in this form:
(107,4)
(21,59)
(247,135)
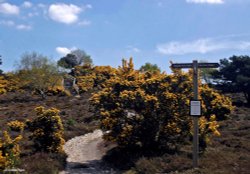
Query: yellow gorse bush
(47,130)
(9,150)
(152,109)
(3,84)
(16,125)
(9,82)
(57,90)
(90,77)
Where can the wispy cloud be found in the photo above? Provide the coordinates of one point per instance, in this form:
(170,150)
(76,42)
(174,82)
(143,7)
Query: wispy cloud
(202,46)
(205,1)
(133,49)
(33,14)
(24,27)
(9,9)
(64,50)
(10,23)
(27,4)
(88,6)
(41,5)
(84,23)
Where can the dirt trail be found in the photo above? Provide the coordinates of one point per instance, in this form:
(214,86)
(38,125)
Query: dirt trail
(85,154)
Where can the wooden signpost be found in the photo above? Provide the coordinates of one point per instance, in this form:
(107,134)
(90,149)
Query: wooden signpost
(195,108)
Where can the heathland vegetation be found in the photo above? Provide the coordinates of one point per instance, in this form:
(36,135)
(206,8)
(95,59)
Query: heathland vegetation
(145,112)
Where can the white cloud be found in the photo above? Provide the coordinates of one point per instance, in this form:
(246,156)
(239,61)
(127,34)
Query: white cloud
(44,9)
(64,13)
(64,50)
(84,23)
(23,27)
(27,4)
(131,48)
(9,9)
(201,46)
(137,50)
(40,5)
(89,6)
(33,14)
(8,23)
(206,1)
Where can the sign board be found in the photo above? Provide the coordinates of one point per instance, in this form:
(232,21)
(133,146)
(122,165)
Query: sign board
(190,65)
(195,108)
(182,65)
(208,65)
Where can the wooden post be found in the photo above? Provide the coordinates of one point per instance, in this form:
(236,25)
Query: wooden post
(195,66)
(195,119)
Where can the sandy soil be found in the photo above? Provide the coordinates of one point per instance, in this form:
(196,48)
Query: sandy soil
(85,154)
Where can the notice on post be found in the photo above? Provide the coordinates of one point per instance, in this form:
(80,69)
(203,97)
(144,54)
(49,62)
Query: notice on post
(195,108)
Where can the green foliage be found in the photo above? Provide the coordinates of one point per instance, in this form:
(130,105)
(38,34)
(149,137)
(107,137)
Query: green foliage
(37,73)
(82,57)
(75,58)
(148,67)
(151,110)
(235,74)
(205,73)
(47,130)
(68,62)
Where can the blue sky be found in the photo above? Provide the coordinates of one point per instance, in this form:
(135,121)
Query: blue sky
(154,31)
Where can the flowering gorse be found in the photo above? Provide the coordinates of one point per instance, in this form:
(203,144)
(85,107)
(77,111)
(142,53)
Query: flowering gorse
(90,77)
(9,150)
(152,109)
(47,130)
(16,125)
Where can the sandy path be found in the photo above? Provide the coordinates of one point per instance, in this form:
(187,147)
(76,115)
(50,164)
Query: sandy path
(84,154)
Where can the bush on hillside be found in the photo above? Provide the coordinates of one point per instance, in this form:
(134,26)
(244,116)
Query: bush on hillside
(89,78)
(151,110)
(47,130)
(9,151)
(16,125)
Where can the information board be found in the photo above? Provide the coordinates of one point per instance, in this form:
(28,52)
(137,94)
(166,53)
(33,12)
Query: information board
(195,108)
